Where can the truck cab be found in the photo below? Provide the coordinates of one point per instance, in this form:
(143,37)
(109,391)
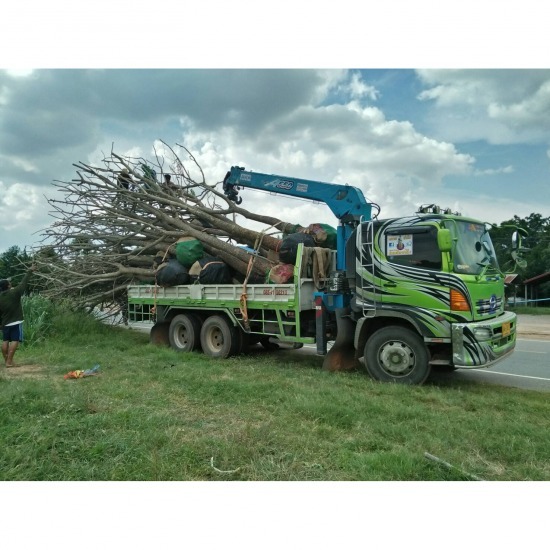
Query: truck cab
(403,294)
(434,275)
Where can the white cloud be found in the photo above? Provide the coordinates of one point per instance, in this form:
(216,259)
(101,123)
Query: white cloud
(494,171)
(19,163)
(359,89)
(20,204)
(319,125)
(493,208)
(501,106)
(531,111)
(389,160)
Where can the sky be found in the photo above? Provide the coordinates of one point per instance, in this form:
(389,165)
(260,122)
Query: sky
(474,140)
(424,108)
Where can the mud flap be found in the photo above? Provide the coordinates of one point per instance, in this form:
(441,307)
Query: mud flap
(341,357)
(159,334)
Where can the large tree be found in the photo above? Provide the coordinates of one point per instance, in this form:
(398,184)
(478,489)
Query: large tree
(114,219)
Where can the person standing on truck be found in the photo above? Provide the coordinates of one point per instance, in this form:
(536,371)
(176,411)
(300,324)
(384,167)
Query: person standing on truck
(11,316)
(167,185)
(124,183)
(124,180)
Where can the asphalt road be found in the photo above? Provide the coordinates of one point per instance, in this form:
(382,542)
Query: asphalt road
(527,368)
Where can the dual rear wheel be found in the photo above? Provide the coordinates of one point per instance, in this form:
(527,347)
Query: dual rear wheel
(392,354)
(184,332)
(215,335)
(219,338)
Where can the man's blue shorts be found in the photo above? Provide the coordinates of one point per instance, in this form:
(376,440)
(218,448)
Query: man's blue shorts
(13,333)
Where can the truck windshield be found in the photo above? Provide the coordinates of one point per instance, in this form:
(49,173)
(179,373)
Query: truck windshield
(474,252)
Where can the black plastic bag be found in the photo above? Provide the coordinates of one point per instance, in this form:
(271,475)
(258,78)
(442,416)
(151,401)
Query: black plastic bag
(289,247)
(213,271)
(172,273)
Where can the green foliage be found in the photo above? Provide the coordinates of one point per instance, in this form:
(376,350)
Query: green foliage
(537,241)
(38,313)
(59,320)
(14,263)
(155,414)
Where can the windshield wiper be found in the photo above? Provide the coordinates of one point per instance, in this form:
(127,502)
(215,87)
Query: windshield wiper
(486,267)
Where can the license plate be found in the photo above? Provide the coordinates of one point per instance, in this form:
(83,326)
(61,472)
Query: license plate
(505,329)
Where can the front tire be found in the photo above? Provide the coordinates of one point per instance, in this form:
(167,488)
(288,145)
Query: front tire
(397,354)
(218,337)
(184,332)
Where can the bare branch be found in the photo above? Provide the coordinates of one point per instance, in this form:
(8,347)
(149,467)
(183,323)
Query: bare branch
(111,220)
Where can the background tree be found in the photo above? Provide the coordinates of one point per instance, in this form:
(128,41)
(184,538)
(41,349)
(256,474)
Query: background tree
(537,241)
(14,263)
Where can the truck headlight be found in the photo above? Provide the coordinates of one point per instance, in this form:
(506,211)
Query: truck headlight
(483,334)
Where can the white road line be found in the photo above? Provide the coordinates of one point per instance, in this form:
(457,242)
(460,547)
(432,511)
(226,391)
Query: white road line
(510,374)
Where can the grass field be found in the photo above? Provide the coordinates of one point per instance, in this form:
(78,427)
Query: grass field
(154,414)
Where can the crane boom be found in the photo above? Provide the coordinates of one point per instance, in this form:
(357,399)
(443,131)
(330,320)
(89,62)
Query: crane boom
(347,203)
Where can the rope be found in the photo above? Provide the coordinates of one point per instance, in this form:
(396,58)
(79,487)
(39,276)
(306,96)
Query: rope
(320,265)
(318,257)
(244,296)
(306,259)
(211,263)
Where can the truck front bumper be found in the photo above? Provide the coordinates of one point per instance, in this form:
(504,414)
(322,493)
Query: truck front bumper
(483,343)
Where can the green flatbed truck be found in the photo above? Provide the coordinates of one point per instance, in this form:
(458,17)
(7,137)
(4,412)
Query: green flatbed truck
(400,296)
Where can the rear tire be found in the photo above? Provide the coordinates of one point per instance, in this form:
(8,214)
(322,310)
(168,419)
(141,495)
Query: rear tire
(244,341)
(184,332)
(219,338)
(397,354)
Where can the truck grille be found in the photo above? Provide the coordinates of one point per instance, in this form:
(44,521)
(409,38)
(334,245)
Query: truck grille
(489,306)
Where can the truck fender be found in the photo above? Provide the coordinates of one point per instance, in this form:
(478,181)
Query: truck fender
(367,325)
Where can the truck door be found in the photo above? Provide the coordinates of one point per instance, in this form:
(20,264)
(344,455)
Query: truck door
(411,277)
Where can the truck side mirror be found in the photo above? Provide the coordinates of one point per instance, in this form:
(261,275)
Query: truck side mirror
(515,240)
(444,240)
(516,237)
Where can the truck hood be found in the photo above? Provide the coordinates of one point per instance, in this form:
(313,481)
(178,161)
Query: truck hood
(487,297)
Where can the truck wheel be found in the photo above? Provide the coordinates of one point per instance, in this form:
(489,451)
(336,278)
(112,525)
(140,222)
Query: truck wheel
(397,354)
(218,337)
(184,332)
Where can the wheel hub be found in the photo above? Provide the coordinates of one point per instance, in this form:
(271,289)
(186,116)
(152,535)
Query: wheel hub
(216,338)
(182,336)
(396,358)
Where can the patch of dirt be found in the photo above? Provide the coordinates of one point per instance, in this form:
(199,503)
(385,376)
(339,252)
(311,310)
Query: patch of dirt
(25,370)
